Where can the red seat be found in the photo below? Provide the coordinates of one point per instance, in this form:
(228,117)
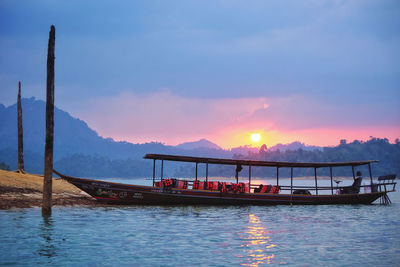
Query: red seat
(247,187)
(198,185)
(266,189)
(240,187)
(168,182)
(213,185)
(222,187)
(182,184)
(275,189)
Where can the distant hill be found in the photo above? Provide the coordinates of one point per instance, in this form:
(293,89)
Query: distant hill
(294,146)
(203,143)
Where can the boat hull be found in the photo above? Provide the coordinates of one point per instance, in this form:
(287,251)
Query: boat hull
(124,194)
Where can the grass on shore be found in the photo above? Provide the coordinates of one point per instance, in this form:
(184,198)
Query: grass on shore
(18,190)
(34,182)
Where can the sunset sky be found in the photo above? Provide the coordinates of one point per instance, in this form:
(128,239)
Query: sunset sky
(177,71)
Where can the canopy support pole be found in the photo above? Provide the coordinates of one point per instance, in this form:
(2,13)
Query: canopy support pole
(316,183)
(196,169)
(277,176)
(207,172)
(370,173)
(154,171)
(162,169)
(249,178)
(291,180)
(331,173)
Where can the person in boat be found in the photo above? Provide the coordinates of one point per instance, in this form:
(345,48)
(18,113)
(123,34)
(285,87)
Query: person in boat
(355,187)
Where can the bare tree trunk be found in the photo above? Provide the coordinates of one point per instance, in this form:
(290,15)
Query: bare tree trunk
(48,154)
(21,168)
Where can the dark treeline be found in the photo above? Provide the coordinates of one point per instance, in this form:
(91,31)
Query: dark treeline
(373,149)
(83,165)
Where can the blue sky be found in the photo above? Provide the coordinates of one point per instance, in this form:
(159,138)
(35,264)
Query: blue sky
(292,69)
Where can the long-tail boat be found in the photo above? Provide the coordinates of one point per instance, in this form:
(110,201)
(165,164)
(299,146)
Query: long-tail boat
(167,191)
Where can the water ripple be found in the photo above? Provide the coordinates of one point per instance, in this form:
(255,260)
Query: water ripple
(357,235)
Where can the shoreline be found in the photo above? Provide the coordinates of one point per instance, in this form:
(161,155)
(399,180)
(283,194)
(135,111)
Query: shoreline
(19,190)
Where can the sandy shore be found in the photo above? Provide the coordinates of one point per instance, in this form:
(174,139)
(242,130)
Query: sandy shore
(25,190)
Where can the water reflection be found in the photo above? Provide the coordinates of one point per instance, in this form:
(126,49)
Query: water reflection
(257,242)
(47,248)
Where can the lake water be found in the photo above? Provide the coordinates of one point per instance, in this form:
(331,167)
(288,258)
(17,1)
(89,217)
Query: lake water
(357,235)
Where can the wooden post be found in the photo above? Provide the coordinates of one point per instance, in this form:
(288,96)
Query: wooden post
(48,154)
(21,168)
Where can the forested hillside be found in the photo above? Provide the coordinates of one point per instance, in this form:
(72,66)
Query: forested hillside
(80,151)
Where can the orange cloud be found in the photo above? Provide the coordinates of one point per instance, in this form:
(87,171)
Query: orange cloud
(165,117)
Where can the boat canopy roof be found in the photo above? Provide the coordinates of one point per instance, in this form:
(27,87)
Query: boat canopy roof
(256,162)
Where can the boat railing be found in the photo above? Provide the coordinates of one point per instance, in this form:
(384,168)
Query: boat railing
(386,183)
(376,187)
(382,184)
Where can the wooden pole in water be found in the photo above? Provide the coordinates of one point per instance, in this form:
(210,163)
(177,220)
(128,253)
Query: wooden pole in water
(21,168)
(48,153)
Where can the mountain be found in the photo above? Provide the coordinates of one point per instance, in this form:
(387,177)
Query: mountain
(203,143)
(73,137)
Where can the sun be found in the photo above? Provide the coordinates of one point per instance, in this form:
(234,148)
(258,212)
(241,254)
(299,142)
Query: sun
(255,137)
